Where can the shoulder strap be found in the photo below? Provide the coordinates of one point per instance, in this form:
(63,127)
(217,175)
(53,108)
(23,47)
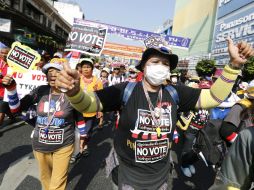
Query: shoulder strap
(127,92)
(245,102)
(173,93)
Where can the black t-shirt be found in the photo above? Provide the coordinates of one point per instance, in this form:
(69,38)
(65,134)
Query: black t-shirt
(61,129)
(136,140)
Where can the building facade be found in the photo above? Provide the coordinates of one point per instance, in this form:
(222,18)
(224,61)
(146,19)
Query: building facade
(34,23)
(69,11)
(194,19)
(166,28)
(235,19)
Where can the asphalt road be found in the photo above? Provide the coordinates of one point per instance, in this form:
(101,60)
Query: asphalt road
(19,170)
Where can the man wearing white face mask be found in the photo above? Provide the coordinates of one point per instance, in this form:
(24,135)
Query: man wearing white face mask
(174,78)
(148,119)
(133,73)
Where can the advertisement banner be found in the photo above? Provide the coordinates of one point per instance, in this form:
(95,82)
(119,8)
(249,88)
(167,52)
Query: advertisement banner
(134,34)
(238,26)
(122,54)
(86,38)
(26,82)
(227,6)
(124,48)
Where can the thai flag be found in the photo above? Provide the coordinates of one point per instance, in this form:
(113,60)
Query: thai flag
(176,136)
(68,55)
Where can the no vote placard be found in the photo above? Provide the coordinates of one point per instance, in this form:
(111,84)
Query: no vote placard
(26,82)
(22,58)
(155,41)
(86,38)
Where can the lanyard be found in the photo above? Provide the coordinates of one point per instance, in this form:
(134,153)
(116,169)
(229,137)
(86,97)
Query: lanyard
(158,111)
(58,102)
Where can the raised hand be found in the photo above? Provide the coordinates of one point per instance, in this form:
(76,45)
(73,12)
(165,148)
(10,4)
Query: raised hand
(7,80)
(69,80)
(239,53)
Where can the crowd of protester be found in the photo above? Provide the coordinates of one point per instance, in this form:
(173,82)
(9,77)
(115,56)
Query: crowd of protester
(97,91)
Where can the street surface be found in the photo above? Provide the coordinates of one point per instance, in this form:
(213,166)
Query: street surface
(19,170)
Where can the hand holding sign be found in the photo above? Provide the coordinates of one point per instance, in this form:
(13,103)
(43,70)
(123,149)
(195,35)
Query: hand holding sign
(69,80)
(22,58)
(7,81)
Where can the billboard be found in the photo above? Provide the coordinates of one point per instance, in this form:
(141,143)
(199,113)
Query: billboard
(227,6)
(238,26)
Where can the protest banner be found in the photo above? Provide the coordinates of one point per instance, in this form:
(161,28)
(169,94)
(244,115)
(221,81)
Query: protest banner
(22,58)
(28,81)
(87,39)
(134,34)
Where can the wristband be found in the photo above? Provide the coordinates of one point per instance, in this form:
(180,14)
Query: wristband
(235,67)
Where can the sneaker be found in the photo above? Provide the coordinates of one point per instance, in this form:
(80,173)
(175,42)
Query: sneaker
(186,171)
(192,169)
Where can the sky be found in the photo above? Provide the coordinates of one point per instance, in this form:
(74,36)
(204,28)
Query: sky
(145,15)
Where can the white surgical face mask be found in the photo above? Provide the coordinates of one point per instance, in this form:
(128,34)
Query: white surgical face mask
(174,79)
(133,75)
(156,74)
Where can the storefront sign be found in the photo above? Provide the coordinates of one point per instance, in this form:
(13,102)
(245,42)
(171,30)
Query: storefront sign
(228,6)
(239,27)
(5,25)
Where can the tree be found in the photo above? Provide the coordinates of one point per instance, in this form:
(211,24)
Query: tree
(205,67)
(248,70)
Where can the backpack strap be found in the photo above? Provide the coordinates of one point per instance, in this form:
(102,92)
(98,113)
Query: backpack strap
(173,93)
(245,103)
(130,86)
(127,92)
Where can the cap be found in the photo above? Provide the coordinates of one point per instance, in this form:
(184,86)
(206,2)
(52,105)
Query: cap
(173,59)
(56,63)
(86,61)
(58,55)
(106,70)
(133,68)
(174,75)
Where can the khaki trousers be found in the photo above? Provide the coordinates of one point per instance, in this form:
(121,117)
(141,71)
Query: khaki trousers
(54,168)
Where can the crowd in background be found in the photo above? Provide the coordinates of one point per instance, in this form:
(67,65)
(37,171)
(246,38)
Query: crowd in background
(234,114)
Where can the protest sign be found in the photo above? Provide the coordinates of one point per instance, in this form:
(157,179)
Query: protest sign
(22,58)
(28,81)
(87,39)
(155,41)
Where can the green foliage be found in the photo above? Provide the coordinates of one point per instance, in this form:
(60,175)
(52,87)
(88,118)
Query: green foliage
(205,67)
(248,70)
